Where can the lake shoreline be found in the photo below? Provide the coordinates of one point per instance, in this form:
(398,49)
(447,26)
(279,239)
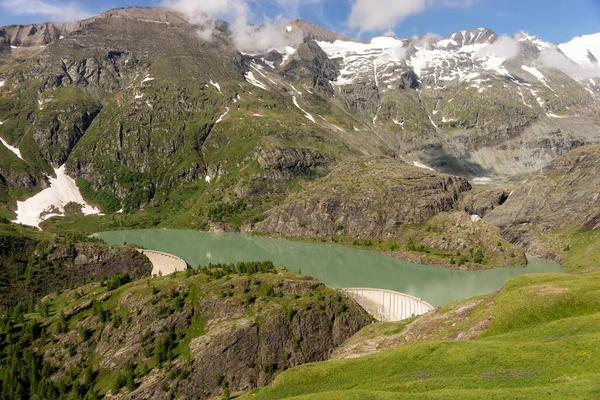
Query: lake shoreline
(336,266)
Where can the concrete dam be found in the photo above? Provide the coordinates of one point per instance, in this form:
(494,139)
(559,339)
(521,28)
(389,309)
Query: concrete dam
(386,305)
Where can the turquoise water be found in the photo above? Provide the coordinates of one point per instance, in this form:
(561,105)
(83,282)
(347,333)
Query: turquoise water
(333,265)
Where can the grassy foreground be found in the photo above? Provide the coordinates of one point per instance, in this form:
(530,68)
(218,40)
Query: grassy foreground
(541,339)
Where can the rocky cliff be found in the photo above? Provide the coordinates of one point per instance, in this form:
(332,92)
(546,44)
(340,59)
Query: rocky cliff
(34,265)
(368,198)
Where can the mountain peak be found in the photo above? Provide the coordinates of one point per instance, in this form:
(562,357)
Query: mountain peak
(311,31)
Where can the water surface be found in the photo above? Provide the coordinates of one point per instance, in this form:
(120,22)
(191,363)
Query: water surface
(333,265)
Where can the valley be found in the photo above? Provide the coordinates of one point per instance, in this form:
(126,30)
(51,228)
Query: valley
(460,169)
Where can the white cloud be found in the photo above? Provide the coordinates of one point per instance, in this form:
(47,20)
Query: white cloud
(553,58)
(52,10)
(504,47)
(246,37)
(373,15)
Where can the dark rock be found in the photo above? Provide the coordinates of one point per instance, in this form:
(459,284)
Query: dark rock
(480,202)
(55,265)
(367,198)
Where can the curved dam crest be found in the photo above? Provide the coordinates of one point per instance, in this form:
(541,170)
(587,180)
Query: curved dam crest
(336,266)
(387,305)
(164,263)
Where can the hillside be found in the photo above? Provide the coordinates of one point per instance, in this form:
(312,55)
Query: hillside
(194,335)
(534,338)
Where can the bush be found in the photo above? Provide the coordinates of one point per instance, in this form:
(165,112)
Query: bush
(117,281)
(222,212)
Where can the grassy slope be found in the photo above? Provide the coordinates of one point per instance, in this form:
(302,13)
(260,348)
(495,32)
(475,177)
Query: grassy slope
(543,335)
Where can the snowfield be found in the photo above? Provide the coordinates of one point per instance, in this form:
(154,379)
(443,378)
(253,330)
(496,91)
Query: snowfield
(51,202)
(579,48)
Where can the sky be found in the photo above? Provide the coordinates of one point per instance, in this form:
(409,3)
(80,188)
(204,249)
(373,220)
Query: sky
(556,21)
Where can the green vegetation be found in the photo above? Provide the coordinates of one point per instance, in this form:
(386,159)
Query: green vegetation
(36,263)
(108,200)
(27,374)
(63,346)
(541,341)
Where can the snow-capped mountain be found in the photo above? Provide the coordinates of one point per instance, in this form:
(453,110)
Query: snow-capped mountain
(584,50)
(461,57)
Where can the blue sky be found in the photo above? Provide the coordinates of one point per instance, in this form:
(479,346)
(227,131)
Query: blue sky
(553,20)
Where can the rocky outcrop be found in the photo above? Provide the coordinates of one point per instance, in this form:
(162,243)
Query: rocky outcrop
(53,265)
(294,160)
(17,174)
(472,242)
(365,198)
(56,134)
(481,202)
(310,61)
(564,195)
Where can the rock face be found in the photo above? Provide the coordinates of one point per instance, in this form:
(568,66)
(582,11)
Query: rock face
(54,265)
(311,62)
(18,174)
(564,195)
(481,202)
(293,160)
(33,35)
(366,198)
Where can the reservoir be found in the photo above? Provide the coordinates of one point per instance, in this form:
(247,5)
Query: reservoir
(334,265)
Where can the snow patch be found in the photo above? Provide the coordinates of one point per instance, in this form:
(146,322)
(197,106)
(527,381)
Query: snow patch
(15,150)
(251,79)
(1,83)
(307,115)
(523,99)
(215,84)
(148,78)
(420,165)
(555,116)
(289,28)
(481,180)
(52,201)
(287,54)
(296,90)
(475,218)
(537,74)
(223,116)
